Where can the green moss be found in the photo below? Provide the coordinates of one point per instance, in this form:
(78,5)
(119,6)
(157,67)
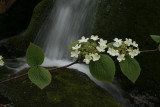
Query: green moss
(69,88)
(40,12)
(15,46)
(19,44)
(136,19)
(16,42)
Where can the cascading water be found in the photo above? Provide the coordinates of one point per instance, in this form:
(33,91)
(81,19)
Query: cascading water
(67,22)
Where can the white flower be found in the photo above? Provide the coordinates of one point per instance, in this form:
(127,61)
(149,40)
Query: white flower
(76,47)
(87,59)
(75,53)
(117,43)
(134,53)
(102,42)
(128,42)
(1,57)
(113,52)
(83,39)
(121,57)
(101,48)
(135,44)
(96,57)
(118,40)
(1,63)
(94,37)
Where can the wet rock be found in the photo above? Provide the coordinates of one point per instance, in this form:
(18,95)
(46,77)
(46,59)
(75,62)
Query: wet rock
(137,20)
(69,88)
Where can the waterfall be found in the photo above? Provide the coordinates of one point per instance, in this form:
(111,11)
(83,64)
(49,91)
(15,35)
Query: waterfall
(67,22)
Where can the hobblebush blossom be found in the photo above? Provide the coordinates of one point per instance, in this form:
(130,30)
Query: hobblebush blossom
(103,43)
(95,38)
(83,39)
(75,53)
(117,43)
(1,61)
(113,52)
(88,58)
(121,49)
(89,48)
(76,47)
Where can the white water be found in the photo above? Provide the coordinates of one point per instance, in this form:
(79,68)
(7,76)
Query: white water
(67,22)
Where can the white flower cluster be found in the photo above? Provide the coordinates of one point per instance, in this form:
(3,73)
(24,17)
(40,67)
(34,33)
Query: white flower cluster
(121,49)
(1,61)
(89,48)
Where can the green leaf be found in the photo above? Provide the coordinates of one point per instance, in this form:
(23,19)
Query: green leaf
(40,76)
(34,55)
(130,68)
(110,45)
(72,45)
(103,69)
(156,38)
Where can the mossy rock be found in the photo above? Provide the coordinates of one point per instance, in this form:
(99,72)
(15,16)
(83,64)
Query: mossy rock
(136,19)
(69,88)
(19,44)
(16,42)
(16,46)
(16,19)
(41,11)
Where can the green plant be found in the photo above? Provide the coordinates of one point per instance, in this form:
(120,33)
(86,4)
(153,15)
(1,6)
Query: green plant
(92,51)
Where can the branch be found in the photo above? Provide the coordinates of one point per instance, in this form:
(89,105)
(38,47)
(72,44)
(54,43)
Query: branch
(66,66)
(14,78)
(77,61)
(48,69)
(154,50)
